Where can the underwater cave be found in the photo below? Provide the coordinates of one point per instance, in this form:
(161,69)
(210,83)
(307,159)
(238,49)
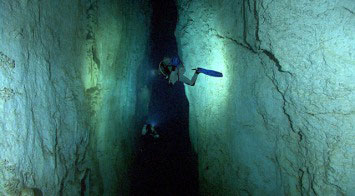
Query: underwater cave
(80,79)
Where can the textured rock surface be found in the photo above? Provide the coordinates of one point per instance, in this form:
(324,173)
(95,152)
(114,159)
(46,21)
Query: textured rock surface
(68,88)
(116,87)
(281,121)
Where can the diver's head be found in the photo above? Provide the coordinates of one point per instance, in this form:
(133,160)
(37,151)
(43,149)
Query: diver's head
(165,69)
(150,129)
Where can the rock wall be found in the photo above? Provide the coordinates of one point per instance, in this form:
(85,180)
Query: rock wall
(69,87)
(281,120)
(115,82)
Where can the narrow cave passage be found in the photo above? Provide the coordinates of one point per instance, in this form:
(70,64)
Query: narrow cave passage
(76,81)
(167,165)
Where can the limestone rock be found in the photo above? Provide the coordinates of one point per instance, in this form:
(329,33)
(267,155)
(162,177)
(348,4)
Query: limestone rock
(281,121)
(67,94)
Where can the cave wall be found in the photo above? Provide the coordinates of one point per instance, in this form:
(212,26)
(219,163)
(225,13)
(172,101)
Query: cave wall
(281,120)
(120,42)
(69,89)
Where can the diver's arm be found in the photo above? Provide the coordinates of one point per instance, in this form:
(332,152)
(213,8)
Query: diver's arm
(186,80)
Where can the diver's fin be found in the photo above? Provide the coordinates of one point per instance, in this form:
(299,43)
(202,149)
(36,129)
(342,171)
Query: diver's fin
(209,72)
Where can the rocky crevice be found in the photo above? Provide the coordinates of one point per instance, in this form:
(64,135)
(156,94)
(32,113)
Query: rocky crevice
(51,92)
(243,43)
(273,59)
(259,51)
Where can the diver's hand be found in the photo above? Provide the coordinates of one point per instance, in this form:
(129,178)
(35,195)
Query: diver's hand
(197,70)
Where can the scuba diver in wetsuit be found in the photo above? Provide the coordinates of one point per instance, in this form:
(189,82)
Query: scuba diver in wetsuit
(149,131)
(149,138)
(173,70)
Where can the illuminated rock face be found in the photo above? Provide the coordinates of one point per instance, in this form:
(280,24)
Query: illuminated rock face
(281,121)
(69,87)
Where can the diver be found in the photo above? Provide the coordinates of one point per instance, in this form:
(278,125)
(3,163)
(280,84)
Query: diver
(149,138)
(149,131)
(173,70)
